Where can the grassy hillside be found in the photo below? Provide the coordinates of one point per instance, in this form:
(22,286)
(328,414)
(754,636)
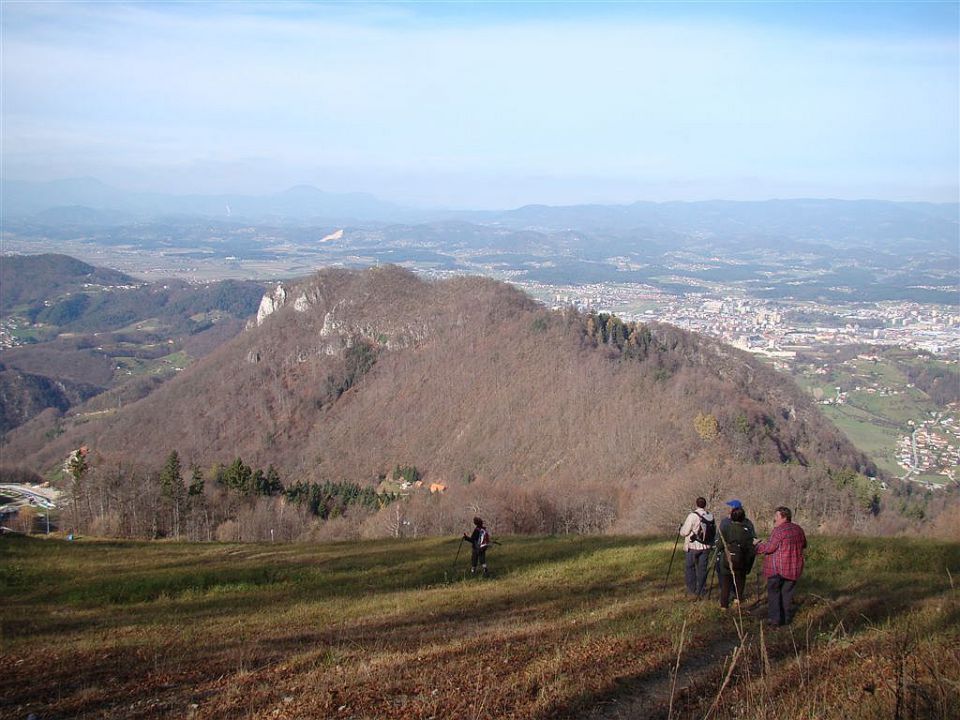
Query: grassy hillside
(567,627)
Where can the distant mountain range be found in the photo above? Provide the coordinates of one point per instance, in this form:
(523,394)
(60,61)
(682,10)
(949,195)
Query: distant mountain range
(87,201)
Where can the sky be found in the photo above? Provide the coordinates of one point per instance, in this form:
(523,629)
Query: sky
(488,105)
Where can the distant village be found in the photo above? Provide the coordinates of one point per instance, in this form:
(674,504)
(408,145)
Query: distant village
(932,447)
(763,326)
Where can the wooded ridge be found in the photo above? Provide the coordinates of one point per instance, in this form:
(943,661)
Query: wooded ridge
(516,410)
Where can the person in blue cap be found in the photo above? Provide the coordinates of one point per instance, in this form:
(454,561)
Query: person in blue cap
(739,536)
(737,505)
(735,558)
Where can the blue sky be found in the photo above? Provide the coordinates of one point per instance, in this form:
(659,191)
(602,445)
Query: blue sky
(488,105)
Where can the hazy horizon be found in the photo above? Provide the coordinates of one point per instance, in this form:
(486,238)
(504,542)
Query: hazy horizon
(423,206)
(489,106)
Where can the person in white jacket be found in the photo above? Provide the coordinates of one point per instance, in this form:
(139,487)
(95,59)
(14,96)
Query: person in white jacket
(699,531)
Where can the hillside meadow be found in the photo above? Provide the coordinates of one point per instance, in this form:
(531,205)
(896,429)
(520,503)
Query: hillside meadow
(565,627)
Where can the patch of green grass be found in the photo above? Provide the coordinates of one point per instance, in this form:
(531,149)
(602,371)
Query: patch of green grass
(868,433)
(935,478)
(177,360)
(898,409)
(148,325)
(131,366)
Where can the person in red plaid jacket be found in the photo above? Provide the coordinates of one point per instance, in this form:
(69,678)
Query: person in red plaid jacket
(782,565)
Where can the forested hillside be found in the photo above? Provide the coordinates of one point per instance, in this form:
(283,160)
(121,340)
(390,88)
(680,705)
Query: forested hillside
(23,395)
(72,331)
(26,279)
(553,421)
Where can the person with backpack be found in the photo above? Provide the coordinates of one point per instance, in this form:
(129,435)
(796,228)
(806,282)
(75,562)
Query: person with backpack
(783,565)
(699,532)
(734,505)
(479,541)
(735,556)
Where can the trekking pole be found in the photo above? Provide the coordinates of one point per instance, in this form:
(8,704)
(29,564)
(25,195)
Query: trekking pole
(719,556)
(756,602)
(454,567)
(712,559)
(670,566)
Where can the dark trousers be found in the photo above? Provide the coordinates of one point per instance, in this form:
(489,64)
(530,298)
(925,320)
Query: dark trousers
(695,571)
(779,599)
(478,555)
(727,583)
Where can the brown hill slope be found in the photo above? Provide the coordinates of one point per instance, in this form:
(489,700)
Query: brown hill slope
(23,395)
(470,380)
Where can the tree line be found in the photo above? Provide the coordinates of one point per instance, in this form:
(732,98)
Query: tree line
(225,502)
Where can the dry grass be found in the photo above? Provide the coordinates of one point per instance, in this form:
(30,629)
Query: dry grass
(569,627)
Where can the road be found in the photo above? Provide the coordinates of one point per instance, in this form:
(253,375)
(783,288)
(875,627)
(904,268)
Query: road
(28,495)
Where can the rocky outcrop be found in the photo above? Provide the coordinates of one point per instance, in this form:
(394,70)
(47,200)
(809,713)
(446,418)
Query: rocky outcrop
(271,302)
(302,303)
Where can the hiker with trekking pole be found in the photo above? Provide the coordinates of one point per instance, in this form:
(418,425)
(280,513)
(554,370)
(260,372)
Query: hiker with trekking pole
(699,532)
(735,557)
(479,541)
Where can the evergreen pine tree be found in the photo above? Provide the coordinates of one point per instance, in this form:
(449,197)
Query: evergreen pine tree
(196,482)
(239,477)
(259,482)
(171,489)
(274,486)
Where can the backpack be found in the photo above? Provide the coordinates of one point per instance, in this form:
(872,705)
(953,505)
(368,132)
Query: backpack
(484,540)
(707,532)
(739,547)
(733,553)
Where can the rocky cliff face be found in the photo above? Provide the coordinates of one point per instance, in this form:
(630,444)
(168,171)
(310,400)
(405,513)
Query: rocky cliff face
(270,303)
(346,321)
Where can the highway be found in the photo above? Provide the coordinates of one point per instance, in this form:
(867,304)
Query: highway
(28,495)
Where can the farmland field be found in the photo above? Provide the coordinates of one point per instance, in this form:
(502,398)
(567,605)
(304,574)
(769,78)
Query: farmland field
(566,627)
(880,406)
(869,434)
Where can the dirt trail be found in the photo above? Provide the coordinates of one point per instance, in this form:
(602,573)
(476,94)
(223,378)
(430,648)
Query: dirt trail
(648,696)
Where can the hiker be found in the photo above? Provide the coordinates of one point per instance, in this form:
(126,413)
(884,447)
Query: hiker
(735,556)
(735,505)
(783,565)
(699,531)
(479,541)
